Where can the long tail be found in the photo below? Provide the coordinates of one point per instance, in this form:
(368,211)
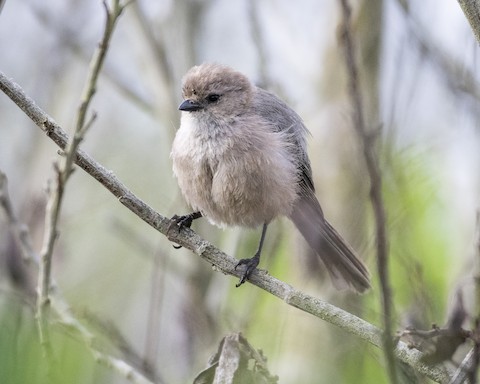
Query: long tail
(344,267)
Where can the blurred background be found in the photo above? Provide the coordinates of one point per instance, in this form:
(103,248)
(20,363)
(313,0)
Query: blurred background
(165,310)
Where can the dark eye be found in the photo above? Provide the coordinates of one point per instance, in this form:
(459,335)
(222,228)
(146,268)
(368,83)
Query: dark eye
(213,98)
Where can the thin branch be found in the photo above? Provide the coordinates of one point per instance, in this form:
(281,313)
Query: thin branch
(464,369)
(44,272)
(471,8)
(221,261)
(62,174)
(376,198)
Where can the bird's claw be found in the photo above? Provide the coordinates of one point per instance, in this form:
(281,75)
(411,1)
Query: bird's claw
(180,221)
(251,265)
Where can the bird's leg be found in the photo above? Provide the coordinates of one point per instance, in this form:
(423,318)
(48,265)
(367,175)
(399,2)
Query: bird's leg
(183,221)
(252,263)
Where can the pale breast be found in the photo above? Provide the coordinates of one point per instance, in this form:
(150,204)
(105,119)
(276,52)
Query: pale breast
(247,177)
(191,166)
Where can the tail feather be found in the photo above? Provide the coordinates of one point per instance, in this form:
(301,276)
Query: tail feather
(344,267)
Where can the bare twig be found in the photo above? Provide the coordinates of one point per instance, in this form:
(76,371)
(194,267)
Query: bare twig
(62,173)
(375,188)
(221,261)
(462,372)
(44,272)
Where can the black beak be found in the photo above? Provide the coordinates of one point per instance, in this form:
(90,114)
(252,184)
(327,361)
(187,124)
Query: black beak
(189,105)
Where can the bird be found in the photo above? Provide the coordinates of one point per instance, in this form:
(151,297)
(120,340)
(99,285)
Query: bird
(240,159)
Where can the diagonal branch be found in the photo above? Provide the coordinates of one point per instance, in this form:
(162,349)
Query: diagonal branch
(221,261)
(465,367)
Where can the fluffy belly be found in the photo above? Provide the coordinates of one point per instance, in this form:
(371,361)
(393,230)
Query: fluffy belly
(240,192)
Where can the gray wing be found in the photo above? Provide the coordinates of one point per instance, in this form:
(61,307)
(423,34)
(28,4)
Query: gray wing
(339,258)
(285,119)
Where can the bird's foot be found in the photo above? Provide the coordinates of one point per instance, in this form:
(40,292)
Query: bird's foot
(180,222)
(250,264)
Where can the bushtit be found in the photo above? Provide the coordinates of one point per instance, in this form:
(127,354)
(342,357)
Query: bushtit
(240,159)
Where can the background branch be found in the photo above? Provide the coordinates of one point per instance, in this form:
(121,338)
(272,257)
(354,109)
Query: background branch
(21,234)
(221,261)
(367,139)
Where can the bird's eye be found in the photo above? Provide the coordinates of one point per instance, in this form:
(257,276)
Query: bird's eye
(213,98)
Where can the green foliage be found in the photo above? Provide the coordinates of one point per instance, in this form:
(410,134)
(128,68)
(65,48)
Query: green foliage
(21,356)
(421,241)
(421,244)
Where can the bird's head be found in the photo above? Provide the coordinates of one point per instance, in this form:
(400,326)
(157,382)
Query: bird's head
(215,90)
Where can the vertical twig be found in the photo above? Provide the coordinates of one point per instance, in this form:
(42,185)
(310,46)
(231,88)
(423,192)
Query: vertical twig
(62,173)
(44,272)
(371,160)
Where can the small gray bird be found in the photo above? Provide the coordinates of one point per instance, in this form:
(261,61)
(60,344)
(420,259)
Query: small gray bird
(240,159)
